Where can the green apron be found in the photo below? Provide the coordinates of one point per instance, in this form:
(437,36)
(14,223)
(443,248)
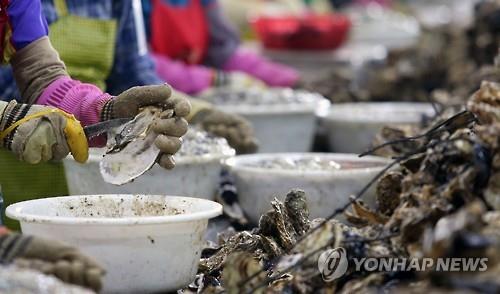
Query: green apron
(22,181)
(86,45)
(87,48)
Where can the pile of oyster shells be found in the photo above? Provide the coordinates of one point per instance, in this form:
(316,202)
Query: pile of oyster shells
(443,200)
(198,143)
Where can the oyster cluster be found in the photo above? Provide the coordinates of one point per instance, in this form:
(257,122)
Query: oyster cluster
(199,143)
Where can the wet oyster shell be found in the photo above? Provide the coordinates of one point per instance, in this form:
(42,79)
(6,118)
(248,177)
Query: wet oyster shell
(131,149)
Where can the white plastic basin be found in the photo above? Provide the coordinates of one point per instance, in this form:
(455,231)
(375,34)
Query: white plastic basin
(280,128)
(351,127)
(326,190)
(195,176)
(145,243)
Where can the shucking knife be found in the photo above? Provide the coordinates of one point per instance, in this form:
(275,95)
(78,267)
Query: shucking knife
(102,127)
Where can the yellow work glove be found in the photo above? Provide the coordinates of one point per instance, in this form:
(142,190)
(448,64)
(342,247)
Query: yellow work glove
(52,258)
(169,128)
(234,128)
(39,133)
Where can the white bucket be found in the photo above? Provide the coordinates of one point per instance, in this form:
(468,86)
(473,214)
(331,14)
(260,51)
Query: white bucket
(195,176)
(352,127)
(326,190)
(280,128)
(142,248)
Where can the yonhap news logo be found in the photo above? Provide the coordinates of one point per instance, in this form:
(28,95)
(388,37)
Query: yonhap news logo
(333,264)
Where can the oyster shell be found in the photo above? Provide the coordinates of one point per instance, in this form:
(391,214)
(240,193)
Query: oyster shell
(131,149)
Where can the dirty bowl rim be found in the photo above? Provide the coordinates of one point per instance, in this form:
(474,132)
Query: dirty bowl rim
(237,163)
(343,112)
(276,109)
(15,211)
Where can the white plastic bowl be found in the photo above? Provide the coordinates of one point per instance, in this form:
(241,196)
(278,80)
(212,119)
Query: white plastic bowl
(142,248)
(326,190)
(280,127)
(374,25)
(352,127)
(195,176)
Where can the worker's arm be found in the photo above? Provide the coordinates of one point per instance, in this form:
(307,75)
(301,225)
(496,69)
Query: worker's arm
(50,257)
(25,32)
(193,79)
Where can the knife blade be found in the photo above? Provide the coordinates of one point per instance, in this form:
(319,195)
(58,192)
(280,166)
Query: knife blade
(102,127)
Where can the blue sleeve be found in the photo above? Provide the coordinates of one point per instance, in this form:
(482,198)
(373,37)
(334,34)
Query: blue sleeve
(133,66)
(26,21)
(36,27)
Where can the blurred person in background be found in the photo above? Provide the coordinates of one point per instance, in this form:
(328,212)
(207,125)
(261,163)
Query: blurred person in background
(195,48)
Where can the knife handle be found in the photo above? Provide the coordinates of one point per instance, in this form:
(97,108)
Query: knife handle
(76,139)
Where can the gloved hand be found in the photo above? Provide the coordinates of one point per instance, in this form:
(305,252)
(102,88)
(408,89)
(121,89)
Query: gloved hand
(51,258)
(234,128)
(236,80)
(39,134)
(169,129)
(272,73)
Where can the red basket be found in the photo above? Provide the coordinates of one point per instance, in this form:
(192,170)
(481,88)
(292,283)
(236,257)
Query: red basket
(310,32)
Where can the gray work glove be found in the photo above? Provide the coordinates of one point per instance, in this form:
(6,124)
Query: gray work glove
(169,129)
(51,258)
(45,134)
(234,128)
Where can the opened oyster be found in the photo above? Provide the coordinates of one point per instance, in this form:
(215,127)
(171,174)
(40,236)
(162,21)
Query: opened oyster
(131,149)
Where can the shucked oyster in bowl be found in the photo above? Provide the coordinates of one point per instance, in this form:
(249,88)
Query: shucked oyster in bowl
(196,174)
(328,179)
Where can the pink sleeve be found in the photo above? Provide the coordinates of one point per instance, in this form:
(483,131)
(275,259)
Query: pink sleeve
(189,79)
(84,101)
(273,74)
